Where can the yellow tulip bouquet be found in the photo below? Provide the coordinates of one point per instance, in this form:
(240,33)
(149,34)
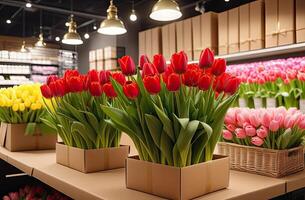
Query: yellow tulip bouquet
(23,105)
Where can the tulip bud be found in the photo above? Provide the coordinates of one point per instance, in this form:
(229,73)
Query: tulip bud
(240,133)
(160,63)
(93,76)
(95,89)
(75,84)
(232,85)
(204,82)
(109,90)
(143,59)
(191,78)
(127,65)
(119,77)
(206,58)
(227,135)
(152,84)
(257,141)
(149,70)
(131,90)
(105,76)
(173,82)
(179,62)
(46,91)
(218,67)
(51,78)
(262,132)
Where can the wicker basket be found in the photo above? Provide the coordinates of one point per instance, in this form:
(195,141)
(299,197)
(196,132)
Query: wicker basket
(267,162)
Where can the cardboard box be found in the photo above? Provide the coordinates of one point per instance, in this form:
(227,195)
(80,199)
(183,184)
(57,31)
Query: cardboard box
(111,64)
(177,183)
(142,43)
(100,65)
(148,43)
(234,30)
(187,38)
(280,24)
(300,21)
(286,22)
(180,36)
(197,39)
(156,45)
(172,39)
(165,42)
(92,56)
(257,25)
(91,160)
(13,138)
(223,33)
(92,65)
(244,27)
(99,54)
(209,31)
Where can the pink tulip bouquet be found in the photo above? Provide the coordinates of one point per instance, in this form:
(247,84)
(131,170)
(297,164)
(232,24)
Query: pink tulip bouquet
(272,128)
(283,79)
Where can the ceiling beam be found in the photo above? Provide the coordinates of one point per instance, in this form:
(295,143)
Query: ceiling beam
(52,9)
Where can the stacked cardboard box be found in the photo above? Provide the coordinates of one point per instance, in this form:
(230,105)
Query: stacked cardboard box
(233,30)
(300,21)
(92,60)
(280,22)
(150,42)
(223,33)
(184,37)
(111,54)
(168,40)
(142,43)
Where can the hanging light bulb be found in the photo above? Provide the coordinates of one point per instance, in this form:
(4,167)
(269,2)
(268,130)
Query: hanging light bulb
(227,0)
(72,37)
(112,25)
(94,27)
(24,49)
(165,10)
(133,17)
(8,21)
(28,5)
(57,38)
(40,42)
(86,36)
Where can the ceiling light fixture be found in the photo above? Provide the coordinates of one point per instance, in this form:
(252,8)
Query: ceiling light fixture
(227,0)
(40,42)
(57,38)
(8,21)
(133,17)
(94,27)
(165,10)
(23,48)
(112,25)
(200,7)
(72,37)
(28,5)
(86,36)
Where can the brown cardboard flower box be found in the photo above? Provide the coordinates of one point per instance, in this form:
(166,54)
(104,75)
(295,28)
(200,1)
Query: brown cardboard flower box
(177,183)
(91,160)
(300,21)
(13,138)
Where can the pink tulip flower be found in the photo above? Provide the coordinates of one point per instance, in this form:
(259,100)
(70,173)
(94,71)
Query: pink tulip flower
(262,132)
(250,130)
(227,135)
(257,141)
(240,133)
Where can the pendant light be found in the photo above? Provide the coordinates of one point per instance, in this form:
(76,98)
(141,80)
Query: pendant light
(165,10)
(72,37)
(112,25)
(133,17)
(23,48)
(40,42)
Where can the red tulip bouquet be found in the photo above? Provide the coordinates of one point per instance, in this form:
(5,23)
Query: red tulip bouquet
(174,114)
(75,110)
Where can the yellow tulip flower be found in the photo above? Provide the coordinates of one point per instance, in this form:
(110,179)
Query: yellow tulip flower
(21,107)
(15,107)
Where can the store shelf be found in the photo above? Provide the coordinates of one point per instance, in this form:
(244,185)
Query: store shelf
(12,82)
(111,184)
(27,62)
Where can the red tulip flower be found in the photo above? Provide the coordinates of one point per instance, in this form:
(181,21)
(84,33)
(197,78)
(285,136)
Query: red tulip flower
(160,63)
(169,70)
(149,70)
(52,78)
(46,91)
(127,65)
(143,59)
(109,90)
(69,73)
(218,67)
(131,90)
(206,58)
(58,88)
(93,76)
(191,78)
(95,89)
(179,62)
(204,82)
(119,77)
(75,84)
(105,76)
(232,85)
(152,84)
(173,82)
